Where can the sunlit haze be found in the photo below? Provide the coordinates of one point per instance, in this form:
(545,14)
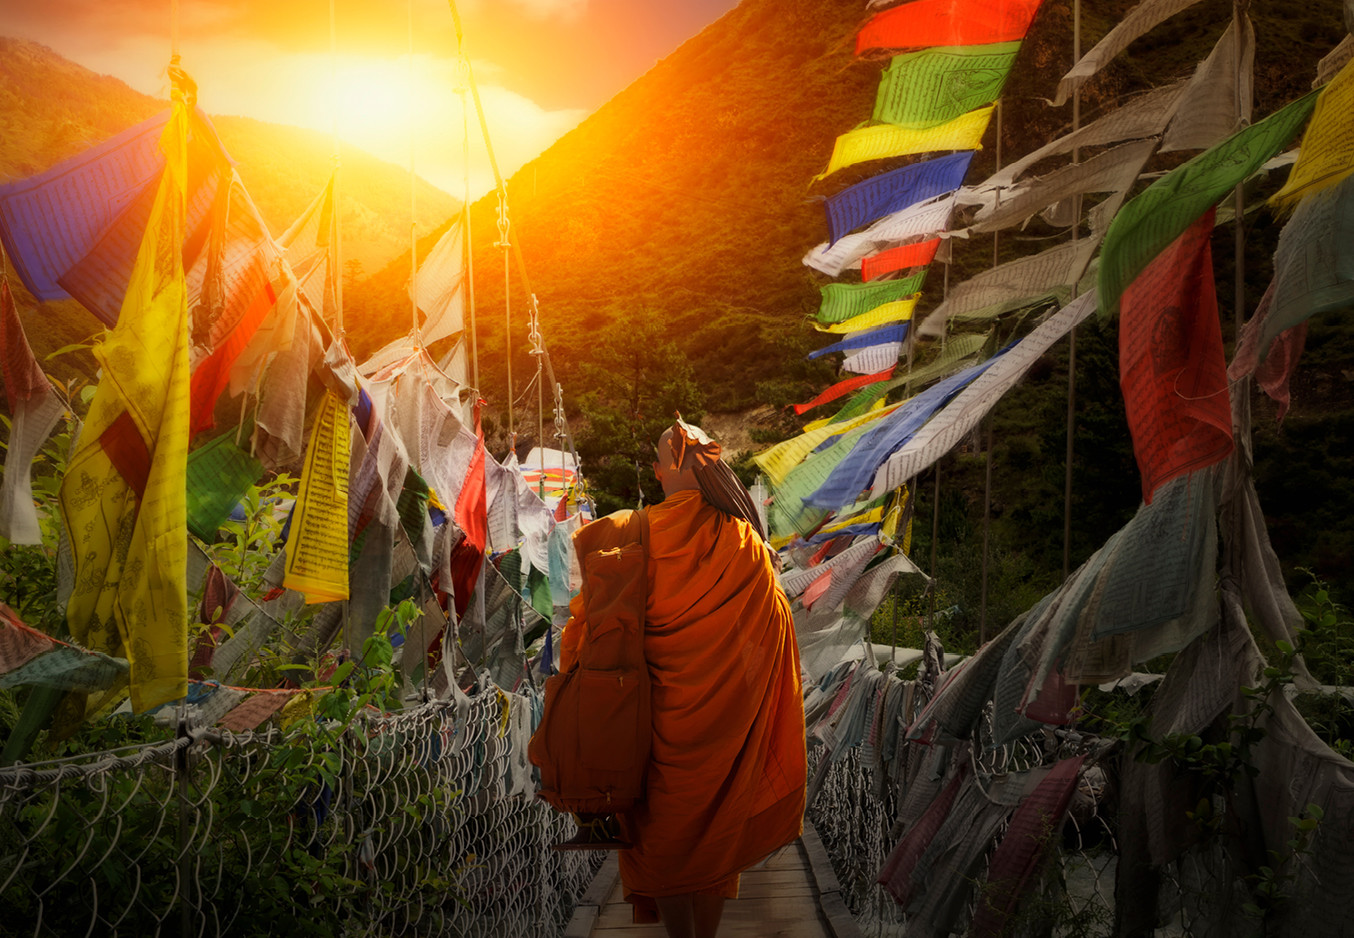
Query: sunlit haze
(541,65)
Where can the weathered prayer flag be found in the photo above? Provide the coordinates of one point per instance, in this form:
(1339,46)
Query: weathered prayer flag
(317,544)
(1138,21)
(944,431)
(893,191)
(884,140)
(873,358)
(923,89)
(842,301)
(471,516)
(1167,207)
(1327,152)
(34,409)
(76,229)
(903,257)
(853,474)
(219,474)
(1314,261)
(1208,108)
(924,23)
(441,279)
(123,498)
(234,296)
(1171,367)
(842,388)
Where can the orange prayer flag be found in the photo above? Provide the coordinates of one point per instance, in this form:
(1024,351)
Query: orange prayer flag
(904,256)
(842,388)
(1171,367)
(924,23)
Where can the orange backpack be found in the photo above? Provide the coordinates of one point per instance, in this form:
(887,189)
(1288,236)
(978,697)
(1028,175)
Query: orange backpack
(592,745)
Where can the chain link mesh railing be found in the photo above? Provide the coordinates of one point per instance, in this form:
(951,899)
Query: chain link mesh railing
(417,823)
(857,810)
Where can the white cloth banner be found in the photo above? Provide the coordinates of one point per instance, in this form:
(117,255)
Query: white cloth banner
(1010,285)
(795,582)
(1144,116)
(945,430)
(872,359)
(1112,171)
(1139,21)
(915,221)
(1207,112)
(440,282)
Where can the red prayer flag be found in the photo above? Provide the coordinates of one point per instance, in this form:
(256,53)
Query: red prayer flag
(900,258)
(842,388)
(1171,367)
(925,23)
(472,517)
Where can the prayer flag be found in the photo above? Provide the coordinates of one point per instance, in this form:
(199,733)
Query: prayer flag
(1143,116)
(957,350)
(1013,285)
(234,296)
(918,221)
(317,545)
(892,333)
(34,409)
(471,516)
(441,277)
(843,301)
(884,140)
(903,257)
(76,230)
(1171,204)
(854,473)
(124,495)
(1314,261)
(1327,152)
(219,473)
(1139,21)
(924,23)
(923,89)
(842,388)
(1112,171)
(893,191)
(896,311)
(1208,109)
(944,431)
(1171,366)
(873,358)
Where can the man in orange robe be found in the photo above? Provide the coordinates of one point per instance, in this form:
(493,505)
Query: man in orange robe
(726,777)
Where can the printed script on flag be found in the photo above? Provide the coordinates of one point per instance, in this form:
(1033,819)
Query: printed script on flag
(1171,366)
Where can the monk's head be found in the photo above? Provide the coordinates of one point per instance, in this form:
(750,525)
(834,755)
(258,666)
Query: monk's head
(674,477)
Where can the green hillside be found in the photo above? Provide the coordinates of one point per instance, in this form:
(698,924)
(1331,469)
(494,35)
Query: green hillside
(679,211)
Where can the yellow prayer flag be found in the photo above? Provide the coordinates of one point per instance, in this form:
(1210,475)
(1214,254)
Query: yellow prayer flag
(1327,153)
(965,132)
(897,311)
(317,545)
(124,498)
(777,461)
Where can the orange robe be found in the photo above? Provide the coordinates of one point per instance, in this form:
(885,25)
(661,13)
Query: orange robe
(726,779)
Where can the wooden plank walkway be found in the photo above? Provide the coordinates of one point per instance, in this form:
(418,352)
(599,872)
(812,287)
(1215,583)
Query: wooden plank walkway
(793,895)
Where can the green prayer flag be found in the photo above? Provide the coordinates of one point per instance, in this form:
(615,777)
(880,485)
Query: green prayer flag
(932,87)
(412,504)
(1145,226)
(219,474)
(842,301)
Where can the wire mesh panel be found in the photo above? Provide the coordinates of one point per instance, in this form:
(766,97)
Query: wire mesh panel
(419,823)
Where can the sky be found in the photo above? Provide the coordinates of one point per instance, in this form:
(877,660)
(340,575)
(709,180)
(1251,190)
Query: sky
(541,66)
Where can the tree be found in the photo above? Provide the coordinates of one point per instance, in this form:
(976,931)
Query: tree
(640,380)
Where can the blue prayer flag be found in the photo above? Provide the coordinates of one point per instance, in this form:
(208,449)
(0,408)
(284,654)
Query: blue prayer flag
(893,191)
